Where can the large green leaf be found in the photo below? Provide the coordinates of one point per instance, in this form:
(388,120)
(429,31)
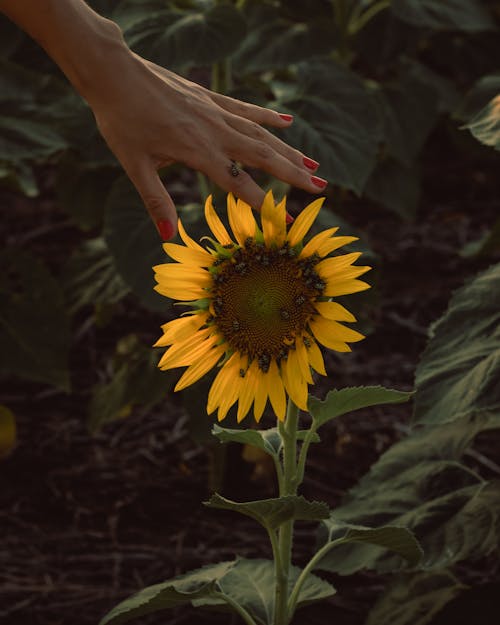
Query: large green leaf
(460,368)
(271,513)
(179,38)
(390,537)
(339,402)
(336,121)
(170,594)
(485,126)
(415,599)
(466,15)
(396,187)
(134,242)
(34,324)
(249,583)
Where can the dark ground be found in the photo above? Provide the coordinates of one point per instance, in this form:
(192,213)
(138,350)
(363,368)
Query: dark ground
(86,521)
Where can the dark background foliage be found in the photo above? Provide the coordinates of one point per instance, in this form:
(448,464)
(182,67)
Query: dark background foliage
(101,493)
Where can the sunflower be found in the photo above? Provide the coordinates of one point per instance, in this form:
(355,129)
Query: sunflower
(259,306)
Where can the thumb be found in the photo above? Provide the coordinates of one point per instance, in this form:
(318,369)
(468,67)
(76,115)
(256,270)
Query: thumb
(156,199)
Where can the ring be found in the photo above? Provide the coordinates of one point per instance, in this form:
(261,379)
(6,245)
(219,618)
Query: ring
(233,170)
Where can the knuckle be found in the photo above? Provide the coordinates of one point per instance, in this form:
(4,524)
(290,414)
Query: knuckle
(263,151)
(153,203)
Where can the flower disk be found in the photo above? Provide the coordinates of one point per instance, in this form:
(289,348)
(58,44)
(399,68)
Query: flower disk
(260,306)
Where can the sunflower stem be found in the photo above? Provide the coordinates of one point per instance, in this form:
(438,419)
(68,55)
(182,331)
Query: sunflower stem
(288,486)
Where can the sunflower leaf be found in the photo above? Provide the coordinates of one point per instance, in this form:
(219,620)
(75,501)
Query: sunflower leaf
(466,15)
(271,513)
(339,402)
(394,538)
(268,440)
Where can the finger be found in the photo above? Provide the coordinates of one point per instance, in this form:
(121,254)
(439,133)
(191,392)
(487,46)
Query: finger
(155,197)
(258,114)
(265,138)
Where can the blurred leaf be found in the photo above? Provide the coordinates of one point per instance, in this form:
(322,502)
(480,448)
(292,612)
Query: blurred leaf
(90,277)
(390,537)
(466,15)
(488,244)
(460,368)
(181,38)
(396,187)
(170,594)
(409,109)
(8,433)
(275,41)
(134,242)
(336,122)
(34,323)
(485,126)
(271,513)
(11,37)
(483,91)
(82,189)
(135,380)
(415,599)
(339,402)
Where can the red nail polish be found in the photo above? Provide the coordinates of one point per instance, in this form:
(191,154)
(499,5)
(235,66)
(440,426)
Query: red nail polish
(308,162)
(286,117)
(166,229)
(319,182)
(289,219)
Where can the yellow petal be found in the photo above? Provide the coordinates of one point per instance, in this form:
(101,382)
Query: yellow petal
(234,389)
(298,361)
(187,239)
(260,397)
(276,390)
(304,221)
(198,369)
(334,311)
(247,392)
(215,224)
(241,219)
(331,267)
(180,329)
(183,349)
(334,244)
(295,385)
(180,292)
(344,287)
(323,333)
(175,271)
(273,219)
(222,380)
(312,246)
(315,357)
(188,256)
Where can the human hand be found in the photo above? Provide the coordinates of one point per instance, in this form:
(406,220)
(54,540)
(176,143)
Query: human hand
(151,117)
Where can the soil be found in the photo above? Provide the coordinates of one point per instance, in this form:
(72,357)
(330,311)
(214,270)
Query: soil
(88,520)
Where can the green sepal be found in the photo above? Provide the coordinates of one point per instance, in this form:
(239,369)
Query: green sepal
(271,513)
(268,440)
(394,538)
(339,402)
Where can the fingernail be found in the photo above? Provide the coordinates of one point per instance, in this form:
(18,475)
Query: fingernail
(319,182)
(309,163)
(286,117)
(289,219)
(166,229)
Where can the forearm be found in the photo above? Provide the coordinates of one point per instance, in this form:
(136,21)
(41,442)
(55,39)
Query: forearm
(74,36)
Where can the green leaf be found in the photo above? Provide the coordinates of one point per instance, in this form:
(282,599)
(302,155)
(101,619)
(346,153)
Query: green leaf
(271,513)
(488,244)
(390,537)
(460,368)
(268,440)
(181,38)
(466,15)
(485,126)
(336,121)
(178,591)
(135,379)
(34,324)
(484,90)
(90,277)
(396,187)
(134,243)
(339,402)
(415,599)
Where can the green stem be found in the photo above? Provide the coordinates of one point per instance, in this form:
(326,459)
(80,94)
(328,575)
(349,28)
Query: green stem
(361,20)
(288,432)
(246,616)
(303,453)
(292,603)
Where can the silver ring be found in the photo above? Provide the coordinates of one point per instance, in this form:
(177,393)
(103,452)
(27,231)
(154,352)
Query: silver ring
(233,169)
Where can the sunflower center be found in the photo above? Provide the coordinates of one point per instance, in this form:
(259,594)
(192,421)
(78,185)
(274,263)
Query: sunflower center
(263,298)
